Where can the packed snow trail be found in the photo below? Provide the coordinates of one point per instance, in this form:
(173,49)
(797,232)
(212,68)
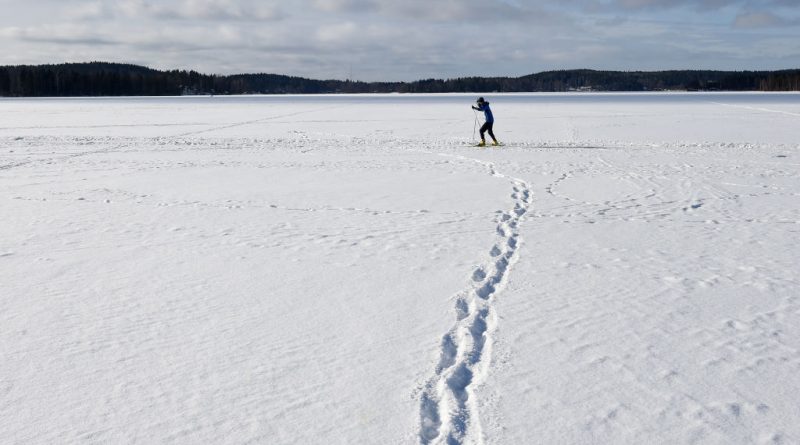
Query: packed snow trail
(448,408)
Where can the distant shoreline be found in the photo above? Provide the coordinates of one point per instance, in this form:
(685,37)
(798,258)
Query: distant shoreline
(685,97)
(101,79)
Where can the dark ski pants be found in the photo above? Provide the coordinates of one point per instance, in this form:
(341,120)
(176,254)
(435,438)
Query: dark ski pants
(488,127)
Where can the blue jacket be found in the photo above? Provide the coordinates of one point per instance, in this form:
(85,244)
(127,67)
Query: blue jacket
(486,111)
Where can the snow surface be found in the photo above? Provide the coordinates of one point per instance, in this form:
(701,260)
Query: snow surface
(348,269)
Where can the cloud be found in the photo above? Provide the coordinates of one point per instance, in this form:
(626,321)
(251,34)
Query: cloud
(703,6)
(199,10)
(337,33)
(348,6)
(85,11)
(763,19)
(617,6)
(66,34)
(402,40)
(452,11)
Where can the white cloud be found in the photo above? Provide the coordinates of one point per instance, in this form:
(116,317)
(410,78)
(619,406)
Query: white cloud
(217,10)
(350,6)
(337,33)
(88,11)
(63,33)
(762,19)
(400,40)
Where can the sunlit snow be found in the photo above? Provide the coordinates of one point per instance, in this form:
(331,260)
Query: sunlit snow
(352,270)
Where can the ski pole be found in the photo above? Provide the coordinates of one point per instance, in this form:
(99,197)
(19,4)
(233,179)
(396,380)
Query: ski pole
(474,126)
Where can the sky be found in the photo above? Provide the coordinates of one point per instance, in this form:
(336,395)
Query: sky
(406,40)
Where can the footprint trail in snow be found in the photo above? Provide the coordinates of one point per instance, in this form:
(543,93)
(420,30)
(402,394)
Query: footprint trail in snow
(448,408)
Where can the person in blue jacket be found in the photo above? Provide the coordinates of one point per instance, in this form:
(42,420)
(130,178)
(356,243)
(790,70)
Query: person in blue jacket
(487,126)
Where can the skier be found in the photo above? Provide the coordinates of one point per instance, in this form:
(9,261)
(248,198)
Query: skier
(487,126)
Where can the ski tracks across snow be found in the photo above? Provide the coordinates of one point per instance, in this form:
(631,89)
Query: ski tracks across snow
(448,406)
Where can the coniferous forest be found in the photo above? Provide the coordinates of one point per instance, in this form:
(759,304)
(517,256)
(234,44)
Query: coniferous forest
(112,79)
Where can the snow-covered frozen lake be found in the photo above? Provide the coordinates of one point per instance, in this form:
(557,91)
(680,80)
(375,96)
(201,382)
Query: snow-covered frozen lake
(351,270)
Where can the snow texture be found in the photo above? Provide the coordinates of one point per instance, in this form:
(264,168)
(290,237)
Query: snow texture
(350,269)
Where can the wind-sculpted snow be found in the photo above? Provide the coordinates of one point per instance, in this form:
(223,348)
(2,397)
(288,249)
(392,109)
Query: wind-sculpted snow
(282,270)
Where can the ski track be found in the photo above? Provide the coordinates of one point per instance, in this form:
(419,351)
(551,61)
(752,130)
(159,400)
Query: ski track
(254,121)
(760,109)
(117,147)
(448,406)
(65,157)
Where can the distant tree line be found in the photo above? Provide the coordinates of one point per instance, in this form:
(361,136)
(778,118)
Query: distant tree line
(112,79)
